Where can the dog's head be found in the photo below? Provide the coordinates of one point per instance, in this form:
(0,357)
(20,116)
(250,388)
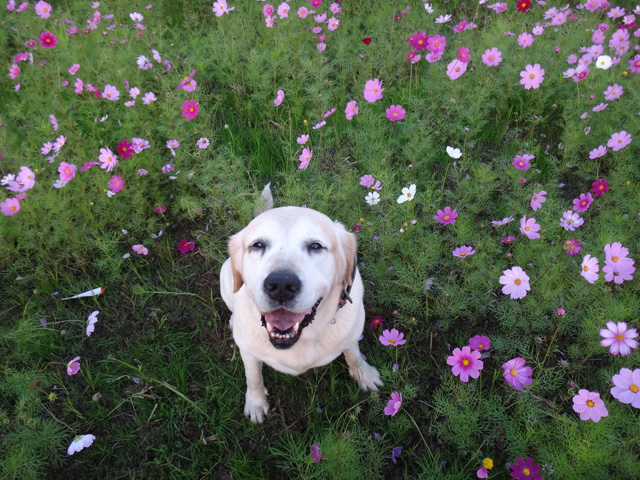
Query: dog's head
(292,261)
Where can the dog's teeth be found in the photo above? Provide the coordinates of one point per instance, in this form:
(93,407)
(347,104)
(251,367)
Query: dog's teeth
(269,327)
(296,326)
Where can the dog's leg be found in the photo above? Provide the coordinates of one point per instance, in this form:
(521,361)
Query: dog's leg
(256,405)
(367,376)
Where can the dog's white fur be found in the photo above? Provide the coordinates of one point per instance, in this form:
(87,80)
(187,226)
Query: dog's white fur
(286,233)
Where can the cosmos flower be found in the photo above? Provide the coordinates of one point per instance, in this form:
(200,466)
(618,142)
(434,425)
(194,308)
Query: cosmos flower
(80,442)
(516,373)
(516,283)
(394,404)
(589,405)
(465,363)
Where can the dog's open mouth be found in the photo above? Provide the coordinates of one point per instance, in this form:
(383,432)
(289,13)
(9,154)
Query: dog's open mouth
(284,327)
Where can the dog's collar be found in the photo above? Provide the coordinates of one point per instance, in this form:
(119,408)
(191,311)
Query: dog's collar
(344,296)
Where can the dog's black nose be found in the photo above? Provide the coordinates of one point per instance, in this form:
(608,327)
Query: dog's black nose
(282,285)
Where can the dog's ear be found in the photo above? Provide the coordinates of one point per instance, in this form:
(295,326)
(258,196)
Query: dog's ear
(235,254)
(349,247)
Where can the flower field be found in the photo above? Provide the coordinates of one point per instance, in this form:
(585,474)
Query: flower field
(485,155)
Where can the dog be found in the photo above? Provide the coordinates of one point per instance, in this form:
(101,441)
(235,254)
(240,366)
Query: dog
(293,287)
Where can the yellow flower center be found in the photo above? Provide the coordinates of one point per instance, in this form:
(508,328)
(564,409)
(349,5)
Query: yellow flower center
(465,362)
(586,269)
(446,217)
(12,208)
(463,254)
(487,463)
(395,114)
(480,347)
(527,228)
(191,109)
(590,403)
(526,471)
(420,42)
(535,198)
(375,90)
(532,76)
(619,337)
(512,372)
(392,340)
(615,259)
(409,194)
(518,281)
(457,69)
(490,58)
(634,388)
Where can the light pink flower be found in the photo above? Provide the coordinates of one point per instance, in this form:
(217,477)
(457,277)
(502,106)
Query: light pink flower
(14,71)
(529,228)
(395,113)
(91,321)
(525,40)
(537,199)
(351,110)
(10,206)
(492,58)
(43,9)
(74,68)
(522,162)
(116,184)
(590,269)
(107,159)
(619,140)
(532,76)
(111,93)
(516,373)
(570,221)
(279,98)
(73,366)
(283,10)
(618,338)
(392,338)
(446,216)
(627,387)
(305,158)
(394,404)
(140,249)
(613,92)
(456,68)
(589,405)
(79,85)
(516,283)
(66,171)
(463,252)
(373,90)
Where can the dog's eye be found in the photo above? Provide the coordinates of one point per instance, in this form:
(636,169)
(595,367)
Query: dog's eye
(315,247)
(258,245)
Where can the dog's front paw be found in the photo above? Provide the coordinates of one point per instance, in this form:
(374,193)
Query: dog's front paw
(367,376)
(256,406)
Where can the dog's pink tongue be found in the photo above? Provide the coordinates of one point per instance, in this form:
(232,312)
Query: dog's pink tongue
(283,319)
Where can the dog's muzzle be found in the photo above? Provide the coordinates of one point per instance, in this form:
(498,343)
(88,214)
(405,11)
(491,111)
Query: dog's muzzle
(284,327)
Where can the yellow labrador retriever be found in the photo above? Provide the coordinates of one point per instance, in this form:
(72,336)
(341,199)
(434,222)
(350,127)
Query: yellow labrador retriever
(295,293)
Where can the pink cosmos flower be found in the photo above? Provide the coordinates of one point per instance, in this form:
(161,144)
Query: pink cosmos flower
(73,366)
(168,168)
(142,172)
(618,338)
(446,216)
(367,180)
(582,203)
(522,162)
(283,10)
(376,322)
(492,58)
(321,46)
(203,143)
(572,246)
(14,71)
(395,113)
(618,266)
(315,449)
(463,54)
(220,8)
(303,12)
(79,86)
(305,158)
(465,363)
(373,90)
(600,107)
(160,209)
(504,221)
(333,24)
(80,442)
(589,405)
(302,139)
(43,9)
(590,269)
(394,404)
(190,109)
(456,69)
(140,249)
(66,171)
(436,44)
(599,187)
(481,343)
(463,252)
(107,159)
(525,40)
(148,97)
(319,125)
(516,283)
(627,387)
(10,206)
(125,149)
(48,40)
(279,98)
(267,10)
(111,93)
(91,321)
(525,470)
(116,184)
(634,63)
(315,3)
(532,76)
(537,199)
(570,221)
(351,110)
(613,92)
(329,112)
(597,152)
(516,373)
(185,246)
(619,140)
(529,227)
(392,338)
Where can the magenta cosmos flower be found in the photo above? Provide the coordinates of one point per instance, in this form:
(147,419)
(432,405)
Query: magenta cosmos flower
(66,171)
(463,55)
(189,109)
(529,227)
(395,113)
(525,470)
(627,387)
(618,338)
(73,366)
(492,57)
(516,283)
(600,187)
(523,162)
(537,199)
(116,184)
(572,246)
(376,322)
(10,206)
(463,252)
(392,338)
(185,246)
(125,149)
(456,68)
(465,363)
(619,140)
(589,405)
(481,343)
(315,453)
(582,203)
(373,90)
(532,76)
(394,404)
(516,373)
(446,216)
(48,40)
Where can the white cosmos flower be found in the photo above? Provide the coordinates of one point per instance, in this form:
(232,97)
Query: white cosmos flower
(603,62)
(80,442)
(372,198)
(407,194)
(93,318)
(454,152)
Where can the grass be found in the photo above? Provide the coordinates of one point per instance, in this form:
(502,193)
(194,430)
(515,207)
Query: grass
(161,383)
